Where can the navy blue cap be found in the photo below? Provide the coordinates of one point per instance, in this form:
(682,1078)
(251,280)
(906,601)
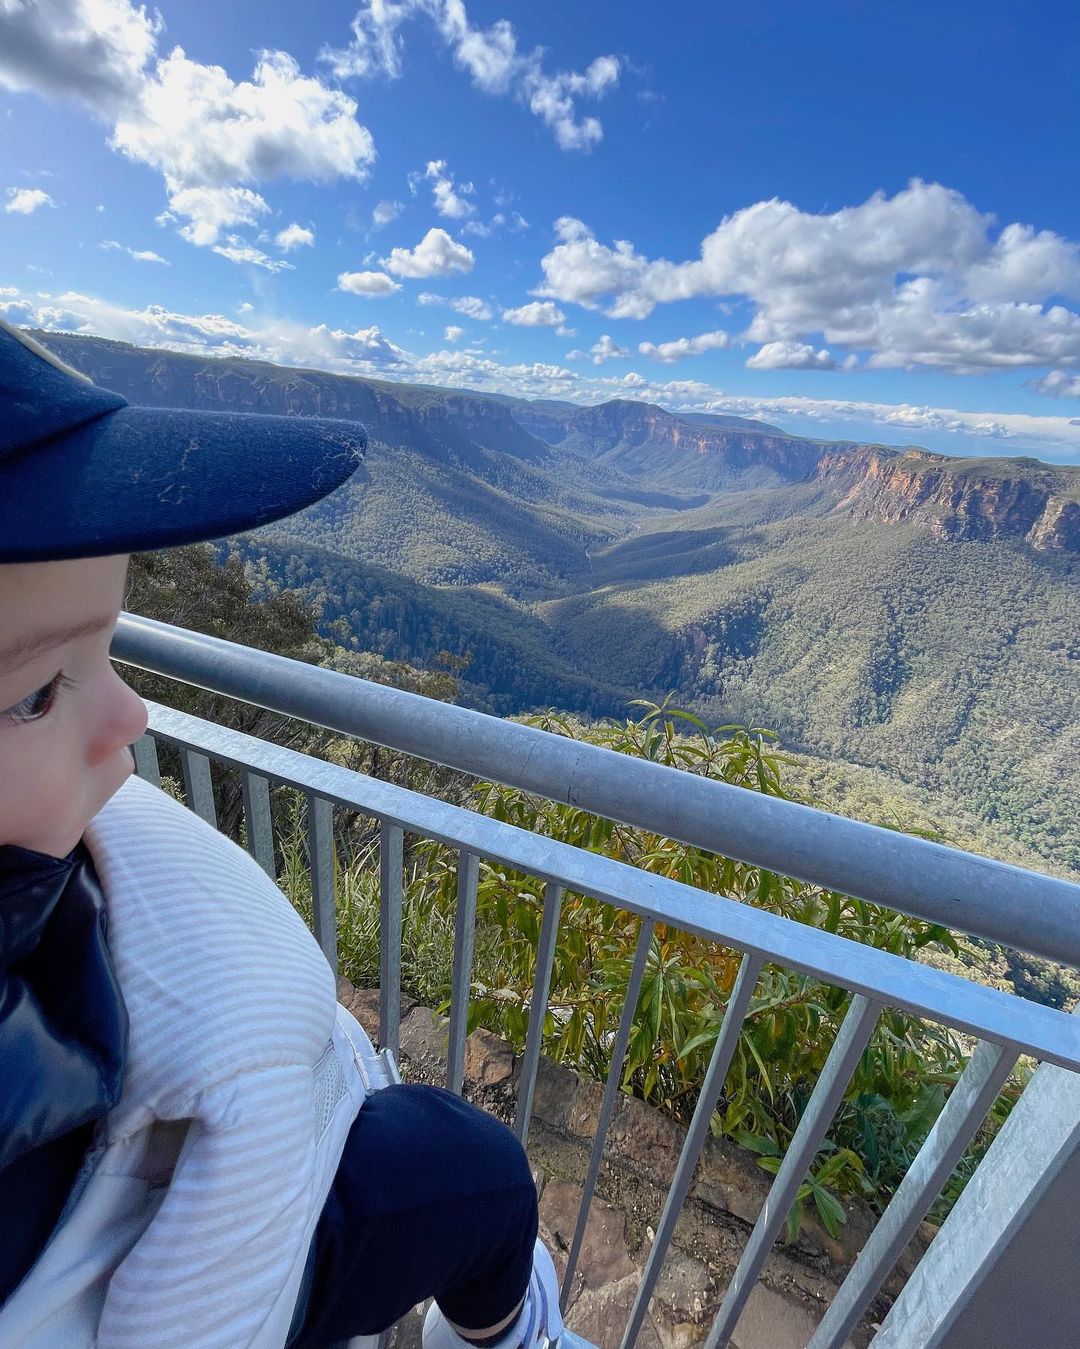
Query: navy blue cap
(84,474)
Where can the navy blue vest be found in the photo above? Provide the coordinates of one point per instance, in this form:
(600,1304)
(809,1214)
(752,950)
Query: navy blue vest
(63,1033)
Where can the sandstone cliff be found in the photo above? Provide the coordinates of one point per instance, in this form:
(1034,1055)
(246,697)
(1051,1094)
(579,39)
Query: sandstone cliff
(643,439)
(959,498)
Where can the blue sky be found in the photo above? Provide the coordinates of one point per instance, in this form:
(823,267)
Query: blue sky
(857,221)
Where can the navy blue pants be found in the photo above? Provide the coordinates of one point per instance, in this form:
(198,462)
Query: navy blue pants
(433,1198)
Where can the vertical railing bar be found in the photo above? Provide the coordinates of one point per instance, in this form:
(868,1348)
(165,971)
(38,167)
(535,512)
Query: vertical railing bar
(320,825)
(198,785)
(843,1059)
(461,982)
(391,902)
(968,1104)
(611,1092)
(144,751)
(726,1044)
(257,820)
(545,961)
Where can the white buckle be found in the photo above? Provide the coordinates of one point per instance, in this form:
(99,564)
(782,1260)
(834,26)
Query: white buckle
(378,1072)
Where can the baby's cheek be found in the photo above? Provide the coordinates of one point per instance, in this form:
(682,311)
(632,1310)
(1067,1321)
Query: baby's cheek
(40,804)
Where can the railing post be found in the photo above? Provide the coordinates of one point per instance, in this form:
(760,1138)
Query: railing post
(144,752)
(611,1091)
(852,1039)
(391,905)
(953,1130)
(700,1126)
(461,979)
(320,822)
(258,820)
(1002,1271)
(545,961)
(198,784)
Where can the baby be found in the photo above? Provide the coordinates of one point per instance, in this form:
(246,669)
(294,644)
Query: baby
(189,1134)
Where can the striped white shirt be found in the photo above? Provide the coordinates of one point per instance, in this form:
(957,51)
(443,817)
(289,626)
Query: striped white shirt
(232,1009)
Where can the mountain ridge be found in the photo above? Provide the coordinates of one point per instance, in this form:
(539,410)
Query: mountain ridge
(951,496)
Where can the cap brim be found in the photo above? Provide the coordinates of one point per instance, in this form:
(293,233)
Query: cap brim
(143,478)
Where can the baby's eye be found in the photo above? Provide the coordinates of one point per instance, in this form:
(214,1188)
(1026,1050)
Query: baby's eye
(39,704)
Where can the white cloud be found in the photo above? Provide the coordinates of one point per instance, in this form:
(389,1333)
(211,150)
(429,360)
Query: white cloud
(366,345)
(681,347)
(469,306)
(491,58)
(139,254)
(453,333)
(607,349)
(449,196)
(20,312)
(203,131)
(385,211)
(537,379)
(72,311)
(437,254)
(914,279)
(363,351)
(239,250)
(791,356)
(515,223)
(1058,384)
(1026,265)
(94,51)
(209,210)
(294,236)
(539,314)
(1054,433)
(26,200)
(200,127)
(367,283)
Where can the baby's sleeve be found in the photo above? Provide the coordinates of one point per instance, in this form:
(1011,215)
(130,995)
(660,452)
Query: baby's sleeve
(220,1264)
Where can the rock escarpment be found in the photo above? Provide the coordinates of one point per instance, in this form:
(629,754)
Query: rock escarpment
(643,439)
(959,498)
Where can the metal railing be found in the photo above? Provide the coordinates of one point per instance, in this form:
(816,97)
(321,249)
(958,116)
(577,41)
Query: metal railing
(1003,903)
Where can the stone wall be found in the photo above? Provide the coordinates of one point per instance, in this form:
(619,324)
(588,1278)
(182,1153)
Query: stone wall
(642,1150)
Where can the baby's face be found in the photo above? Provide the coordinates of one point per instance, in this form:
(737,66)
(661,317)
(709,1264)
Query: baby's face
(66,716)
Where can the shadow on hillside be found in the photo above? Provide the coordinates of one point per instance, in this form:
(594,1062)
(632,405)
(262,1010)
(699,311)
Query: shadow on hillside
(512,664)
(666,553)
(666,501)
(616,635)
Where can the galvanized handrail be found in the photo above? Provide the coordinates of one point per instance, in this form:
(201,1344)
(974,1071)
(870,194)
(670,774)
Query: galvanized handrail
(961,891)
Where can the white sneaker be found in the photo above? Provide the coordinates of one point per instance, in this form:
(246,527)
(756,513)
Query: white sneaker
(538,1324)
